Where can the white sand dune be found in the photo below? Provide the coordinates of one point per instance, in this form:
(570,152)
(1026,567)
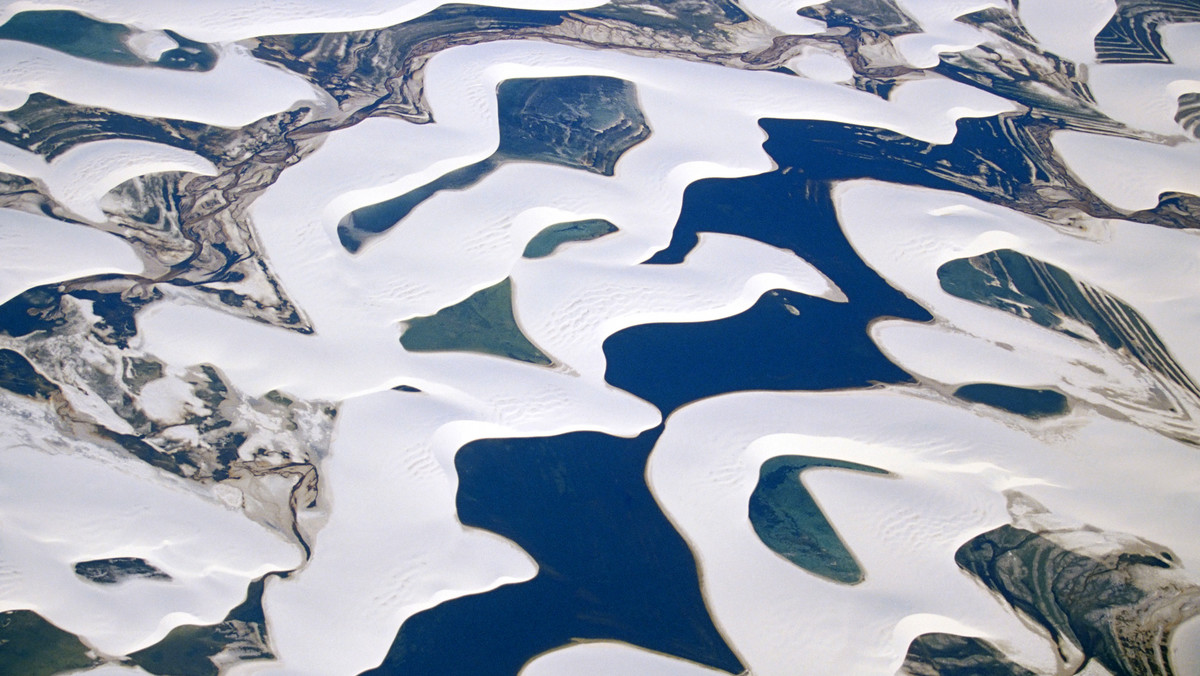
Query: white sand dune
(1126,173)
(237,91)
(1148,267)
(1144,96)
(782,14)
(393,545)
(1130,174)
(1179,40)
(572,307)
(36,250)
(1067,30)
(1185,647)
(80,504)
(942,32)
(459,242)
(82,175)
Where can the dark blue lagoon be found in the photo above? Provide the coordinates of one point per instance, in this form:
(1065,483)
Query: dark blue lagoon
(610,564)
(788,340)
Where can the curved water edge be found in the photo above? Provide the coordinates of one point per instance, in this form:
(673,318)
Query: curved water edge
(787,519)
(611,567)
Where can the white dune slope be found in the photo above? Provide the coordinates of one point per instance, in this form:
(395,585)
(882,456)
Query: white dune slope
(1130,174)
(237,91)
(975,343)
(81,176)
(79,505)
(1046,20)
(950,466)
(37,250)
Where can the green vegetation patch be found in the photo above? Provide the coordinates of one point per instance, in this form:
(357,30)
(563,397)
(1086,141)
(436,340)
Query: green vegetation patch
(545,242)
(484,322)
(789,521)
(1010,281)
(1027,287)
(112,571)
(186,651)
(583,122)
(31,646)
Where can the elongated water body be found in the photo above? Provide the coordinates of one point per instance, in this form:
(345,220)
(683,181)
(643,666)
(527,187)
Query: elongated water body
(1032,403)
(682,337)
(785,341)
(580,122)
